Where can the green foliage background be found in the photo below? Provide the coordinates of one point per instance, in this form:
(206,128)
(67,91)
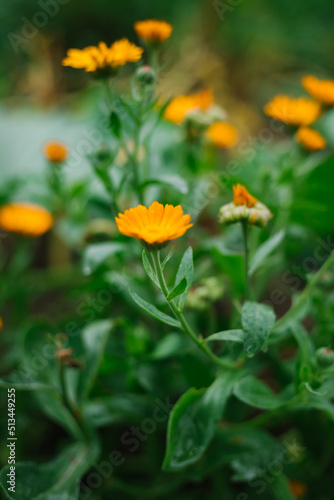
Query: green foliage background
(247,51)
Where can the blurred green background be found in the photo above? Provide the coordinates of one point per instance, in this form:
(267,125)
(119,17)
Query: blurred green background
(246,51)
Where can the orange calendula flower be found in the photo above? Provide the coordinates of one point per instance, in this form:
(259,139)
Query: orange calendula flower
(297,488)
(1,323)
(244,207)
(242,197)
(25,218)
(322,90)
(156,225)
(293,111)
(103,59)
(56,152)
(222,134)
(122,52)
(181,106)
(311,139)
(153,31)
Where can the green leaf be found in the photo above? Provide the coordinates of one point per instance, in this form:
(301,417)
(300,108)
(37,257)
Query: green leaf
(118,408)
(169,346)
(254,392)
(248,451)
(94,338)
(193,421)
(115,124)
(178,290)
(23,382)
(153,311)
(264,250)
(280,487)
(148,268)
(185,270)
(164,262)
(173,181)
(97,253)
(306,365)
(227,336)
(257,321)
(59,478)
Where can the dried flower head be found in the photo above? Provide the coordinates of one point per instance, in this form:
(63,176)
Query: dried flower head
(222,134)
(293,111)
(311,139)
(322,90)
(25,218)
(244,207)
(180,107)
(153,31)
(156,225)
(55,152)
(103,59)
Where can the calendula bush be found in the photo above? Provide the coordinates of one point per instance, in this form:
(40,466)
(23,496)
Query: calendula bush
(176,364)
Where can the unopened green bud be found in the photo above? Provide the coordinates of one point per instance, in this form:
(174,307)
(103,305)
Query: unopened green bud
(325,356)
(146,75)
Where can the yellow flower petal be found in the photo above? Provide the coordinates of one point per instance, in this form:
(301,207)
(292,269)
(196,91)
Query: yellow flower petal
(293,111)
(311,139)
(322,90)
(157,224)
(153,31)
(25,218)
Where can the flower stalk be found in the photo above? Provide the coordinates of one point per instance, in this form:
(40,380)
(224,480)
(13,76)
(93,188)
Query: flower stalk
(245,232)
(180,316)
(87,434)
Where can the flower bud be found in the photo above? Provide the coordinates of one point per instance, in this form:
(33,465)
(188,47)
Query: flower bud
(146,75)
(325,356)
(244,207)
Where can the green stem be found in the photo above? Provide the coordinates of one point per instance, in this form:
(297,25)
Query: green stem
(86,433)
(246,253)
(179,315)
(133,157)
(303,297)
(154,59)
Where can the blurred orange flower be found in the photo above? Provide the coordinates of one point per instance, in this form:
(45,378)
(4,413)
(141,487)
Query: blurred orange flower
(25,218)
(56,152)
(179,107)
(242,197)
(311,139)
(103,57)
(155,225)
(293,111)
(323,90)
(222,134)
(153,31)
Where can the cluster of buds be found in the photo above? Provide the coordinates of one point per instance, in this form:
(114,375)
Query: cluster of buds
(244,207)
(201,297)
